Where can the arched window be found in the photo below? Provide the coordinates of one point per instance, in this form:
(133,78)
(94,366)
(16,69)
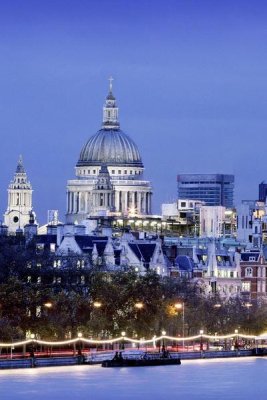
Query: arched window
(249,272)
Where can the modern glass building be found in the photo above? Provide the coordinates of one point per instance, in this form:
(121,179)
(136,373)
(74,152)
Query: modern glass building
(213,189)
(262,191)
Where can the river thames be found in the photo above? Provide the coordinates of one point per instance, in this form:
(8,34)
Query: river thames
(193,380)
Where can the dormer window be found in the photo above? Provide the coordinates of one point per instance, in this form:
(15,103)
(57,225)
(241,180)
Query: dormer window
(252,259)
(248,272)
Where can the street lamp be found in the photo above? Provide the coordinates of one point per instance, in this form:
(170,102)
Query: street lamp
(97,304)
(180,306)
(80,335)
(32,348)
(48,304)
(123,336)
(163,342)
(201,340)
(236,339)
(139,305)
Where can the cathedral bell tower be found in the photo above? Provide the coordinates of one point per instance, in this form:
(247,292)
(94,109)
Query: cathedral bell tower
(19,209)
(103,194)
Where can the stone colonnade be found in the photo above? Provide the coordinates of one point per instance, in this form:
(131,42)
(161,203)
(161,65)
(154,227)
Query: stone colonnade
(138,201)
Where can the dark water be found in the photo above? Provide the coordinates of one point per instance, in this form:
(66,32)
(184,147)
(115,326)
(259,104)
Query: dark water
(193,380)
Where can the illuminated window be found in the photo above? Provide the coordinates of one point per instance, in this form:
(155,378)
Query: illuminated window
(246,286)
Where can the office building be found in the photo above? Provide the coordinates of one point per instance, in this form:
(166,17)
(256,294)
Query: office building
(213,189)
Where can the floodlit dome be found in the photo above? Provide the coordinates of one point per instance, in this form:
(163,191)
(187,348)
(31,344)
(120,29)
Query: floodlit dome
(112,147)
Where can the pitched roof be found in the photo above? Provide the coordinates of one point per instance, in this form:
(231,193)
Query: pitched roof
(143,251)
(247,256)
(184,263)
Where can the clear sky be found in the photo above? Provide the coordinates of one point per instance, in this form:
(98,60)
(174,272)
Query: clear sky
(190,81)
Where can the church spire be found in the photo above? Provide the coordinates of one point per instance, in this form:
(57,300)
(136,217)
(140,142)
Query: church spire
(110,110)
(20,168)
(110,84)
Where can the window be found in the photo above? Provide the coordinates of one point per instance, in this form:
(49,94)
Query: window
(252,259)
(131,172)
(183,204)
(52,247)
(113,172)
(39,247)
(246,286)
(119,172)
(93,171)
(248,272)
(125,172)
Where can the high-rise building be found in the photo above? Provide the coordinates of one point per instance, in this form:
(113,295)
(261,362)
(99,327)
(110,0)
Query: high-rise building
(109,173)
(262,191)
(213,189)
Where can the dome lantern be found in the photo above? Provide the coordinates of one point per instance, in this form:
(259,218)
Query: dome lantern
(110,111)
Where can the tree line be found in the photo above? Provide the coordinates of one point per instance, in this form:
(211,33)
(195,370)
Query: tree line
(55,301)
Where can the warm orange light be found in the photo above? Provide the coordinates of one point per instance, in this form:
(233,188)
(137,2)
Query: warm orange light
(178,306)
(97,304)
(139,305)
(48,304)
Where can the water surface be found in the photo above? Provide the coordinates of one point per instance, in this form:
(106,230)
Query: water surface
(194,380)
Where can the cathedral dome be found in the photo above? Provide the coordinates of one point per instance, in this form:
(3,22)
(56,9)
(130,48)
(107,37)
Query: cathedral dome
(112,147)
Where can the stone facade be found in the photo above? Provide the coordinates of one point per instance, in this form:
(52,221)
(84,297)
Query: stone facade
(123,190)
(19,211)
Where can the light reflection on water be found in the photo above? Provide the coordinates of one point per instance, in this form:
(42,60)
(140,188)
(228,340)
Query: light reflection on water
(193,380)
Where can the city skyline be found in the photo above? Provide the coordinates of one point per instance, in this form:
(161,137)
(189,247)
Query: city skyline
(189,81)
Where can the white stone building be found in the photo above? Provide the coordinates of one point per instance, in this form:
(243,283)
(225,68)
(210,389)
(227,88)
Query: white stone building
(19,211)
(109,174)
(211,221)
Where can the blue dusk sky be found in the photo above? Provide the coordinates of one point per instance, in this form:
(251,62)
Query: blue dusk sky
(189,78)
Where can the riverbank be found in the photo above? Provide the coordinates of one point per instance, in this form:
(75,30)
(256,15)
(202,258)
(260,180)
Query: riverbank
(98,358)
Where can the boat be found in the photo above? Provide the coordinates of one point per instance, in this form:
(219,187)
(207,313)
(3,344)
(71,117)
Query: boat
(145,361)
